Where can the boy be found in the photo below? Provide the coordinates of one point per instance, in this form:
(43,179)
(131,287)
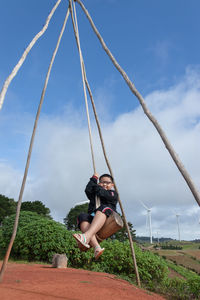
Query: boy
(90,223)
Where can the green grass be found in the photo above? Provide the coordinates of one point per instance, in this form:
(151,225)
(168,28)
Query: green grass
(192,246)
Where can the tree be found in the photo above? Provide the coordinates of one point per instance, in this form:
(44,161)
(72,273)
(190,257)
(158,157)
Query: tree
(122,235)
(71,218)
(7,207)
(36,206)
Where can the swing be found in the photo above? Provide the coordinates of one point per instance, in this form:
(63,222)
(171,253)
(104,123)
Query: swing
(114,222)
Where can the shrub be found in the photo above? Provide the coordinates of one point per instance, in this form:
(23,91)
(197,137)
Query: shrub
(117,259)
(1,241)
(37,238)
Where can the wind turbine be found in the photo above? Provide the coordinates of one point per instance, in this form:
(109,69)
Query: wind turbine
(149,220)
(178,226)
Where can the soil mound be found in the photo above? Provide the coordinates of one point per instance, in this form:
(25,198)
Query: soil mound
(42,282)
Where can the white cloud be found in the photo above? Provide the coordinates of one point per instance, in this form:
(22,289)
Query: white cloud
(61,163)
(9,185)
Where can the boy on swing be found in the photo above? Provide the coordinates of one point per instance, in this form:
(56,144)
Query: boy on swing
(90,223)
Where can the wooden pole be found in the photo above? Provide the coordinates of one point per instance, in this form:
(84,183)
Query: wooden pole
(4,265)
(24,55)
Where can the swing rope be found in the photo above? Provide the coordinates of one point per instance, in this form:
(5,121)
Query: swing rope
(76,32)
(3,268)
(85,81)
(24,55)
(159,129)
(75,26)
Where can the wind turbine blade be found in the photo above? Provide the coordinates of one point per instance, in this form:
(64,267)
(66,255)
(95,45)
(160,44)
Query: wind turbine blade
(83,202)
(144,205)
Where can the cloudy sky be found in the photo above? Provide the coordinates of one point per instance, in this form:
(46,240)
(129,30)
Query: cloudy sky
(157,44)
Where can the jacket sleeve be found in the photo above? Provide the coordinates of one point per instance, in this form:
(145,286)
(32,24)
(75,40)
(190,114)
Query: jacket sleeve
(89,190)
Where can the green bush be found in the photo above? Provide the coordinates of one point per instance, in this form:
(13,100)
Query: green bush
(37,238)
(1,241)
(1,235)
(117,259)
(8,223)
(171,247)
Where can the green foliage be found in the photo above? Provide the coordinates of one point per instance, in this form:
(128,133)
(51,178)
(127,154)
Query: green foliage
(122,235)
(1,241)
(7,207)
(37,238)
(171,247)
(187,288)
(36,206)
(71,218)
(117,260)
(180,289)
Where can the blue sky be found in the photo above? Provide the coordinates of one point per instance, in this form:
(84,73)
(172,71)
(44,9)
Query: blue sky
(157,44)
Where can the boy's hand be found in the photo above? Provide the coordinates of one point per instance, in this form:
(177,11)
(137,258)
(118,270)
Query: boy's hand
(96,175)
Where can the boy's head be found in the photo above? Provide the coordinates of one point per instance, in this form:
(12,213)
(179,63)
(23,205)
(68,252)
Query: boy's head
(106,181)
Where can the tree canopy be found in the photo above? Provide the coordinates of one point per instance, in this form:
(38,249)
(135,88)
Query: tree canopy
(71,218)
(36,206)
(7,207)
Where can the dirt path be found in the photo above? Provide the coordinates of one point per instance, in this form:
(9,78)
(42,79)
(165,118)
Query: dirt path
(41,282)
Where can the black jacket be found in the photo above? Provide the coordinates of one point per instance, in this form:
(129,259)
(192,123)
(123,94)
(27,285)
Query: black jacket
(107,197)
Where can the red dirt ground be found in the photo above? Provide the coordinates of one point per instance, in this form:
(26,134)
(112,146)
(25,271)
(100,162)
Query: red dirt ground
(42,282)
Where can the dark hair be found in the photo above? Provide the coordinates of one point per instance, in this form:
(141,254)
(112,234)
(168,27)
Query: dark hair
(106,175)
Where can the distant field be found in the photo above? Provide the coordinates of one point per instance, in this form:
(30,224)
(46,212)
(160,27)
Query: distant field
(186,261)
(194,253)
(188,258)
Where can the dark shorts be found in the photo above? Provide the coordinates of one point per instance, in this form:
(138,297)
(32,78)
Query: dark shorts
(89,217)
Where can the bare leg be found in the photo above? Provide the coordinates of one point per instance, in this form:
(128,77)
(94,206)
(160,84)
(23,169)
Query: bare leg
(85,227)
(96,225)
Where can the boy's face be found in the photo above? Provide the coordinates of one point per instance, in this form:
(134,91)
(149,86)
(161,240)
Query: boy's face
(106,183)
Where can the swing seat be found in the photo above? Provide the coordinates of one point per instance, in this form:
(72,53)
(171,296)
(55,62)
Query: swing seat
(113,224)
